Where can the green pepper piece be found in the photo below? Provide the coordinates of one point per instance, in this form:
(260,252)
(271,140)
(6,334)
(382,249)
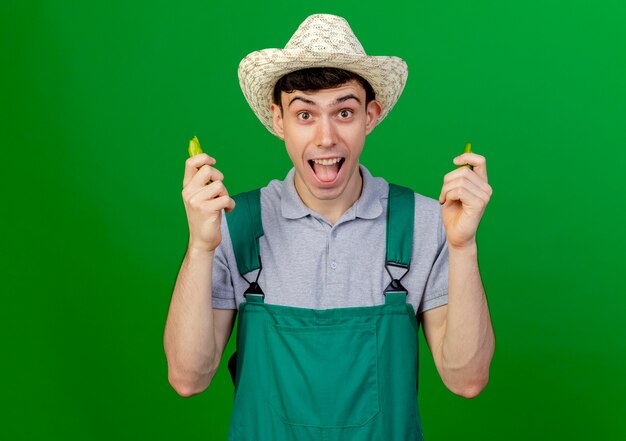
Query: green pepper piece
(194,147)
(467,149)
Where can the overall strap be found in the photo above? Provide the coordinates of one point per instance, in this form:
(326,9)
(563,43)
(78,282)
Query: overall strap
(246,228)
(400,224)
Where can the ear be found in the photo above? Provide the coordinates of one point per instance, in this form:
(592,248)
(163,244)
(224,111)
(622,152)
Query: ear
(277,120)
(374,109)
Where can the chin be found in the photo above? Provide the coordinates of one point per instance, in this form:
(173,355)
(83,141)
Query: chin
(327,194)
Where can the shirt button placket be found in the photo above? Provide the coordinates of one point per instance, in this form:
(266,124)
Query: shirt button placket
(331,257)
(331,253)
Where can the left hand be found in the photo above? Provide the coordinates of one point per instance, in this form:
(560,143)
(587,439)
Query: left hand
(464,195)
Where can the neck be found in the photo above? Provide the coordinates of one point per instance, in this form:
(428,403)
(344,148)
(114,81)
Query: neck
(332,209)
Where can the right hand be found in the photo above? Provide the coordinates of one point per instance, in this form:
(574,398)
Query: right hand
(204,202)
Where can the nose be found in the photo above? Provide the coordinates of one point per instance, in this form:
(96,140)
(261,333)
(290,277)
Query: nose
(326,135)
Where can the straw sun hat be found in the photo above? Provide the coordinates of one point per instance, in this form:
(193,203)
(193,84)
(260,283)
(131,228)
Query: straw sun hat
(322,40)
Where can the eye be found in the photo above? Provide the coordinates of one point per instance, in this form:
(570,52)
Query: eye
(345,113)
(304,116)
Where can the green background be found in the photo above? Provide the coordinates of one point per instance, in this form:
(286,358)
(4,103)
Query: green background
(100,98)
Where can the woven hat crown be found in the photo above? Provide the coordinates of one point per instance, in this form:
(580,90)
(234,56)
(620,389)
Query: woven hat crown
(324,33)
(322,40)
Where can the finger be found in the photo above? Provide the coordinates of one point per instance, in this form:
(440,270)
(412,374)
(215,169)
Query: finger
(467,174)
(461,187)
(212,191)
(477,161)
(206,174)
(231,205)
(460,183)
(202,178)
(193,163)
(225,203)
(465,197)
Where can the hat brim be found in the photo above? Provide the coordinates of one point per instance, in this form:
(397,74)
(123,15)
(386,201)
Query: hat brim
(260,70)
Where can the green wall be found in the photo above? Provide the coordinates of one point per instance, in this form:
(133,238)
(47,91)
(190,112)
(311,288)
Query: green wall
(100,98)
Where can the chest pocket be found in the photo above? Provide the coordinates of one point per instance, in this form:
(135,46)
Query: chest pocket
(324,376)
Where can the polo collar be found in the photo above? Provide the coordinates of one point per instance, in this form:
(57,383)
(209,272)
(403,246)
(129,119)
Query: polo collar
(368,206)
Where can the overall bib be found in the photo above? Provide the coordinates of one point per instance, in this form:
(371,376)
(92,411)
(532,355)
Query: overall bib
(346,374)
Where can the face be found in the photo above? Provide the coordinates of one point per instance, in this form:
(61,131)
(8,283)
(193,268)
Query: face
(324,133)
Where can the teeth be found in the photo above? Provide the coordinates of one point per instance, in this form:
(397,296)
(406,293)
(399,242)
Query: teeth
(327,161)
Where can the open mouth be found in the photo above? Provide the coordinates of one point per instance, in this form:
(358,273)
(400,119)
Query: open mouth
(326,170)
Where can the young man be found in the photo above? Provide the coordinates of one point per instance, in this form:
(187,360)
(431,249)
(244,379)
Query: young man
(317,264)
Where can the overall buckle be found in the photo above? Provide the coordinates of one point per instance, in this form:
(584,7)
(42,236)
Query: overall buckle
(395,286)
(254,289)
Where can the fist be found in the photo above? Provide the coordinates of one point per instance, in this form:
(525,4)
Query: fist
(204,196)
(464,196)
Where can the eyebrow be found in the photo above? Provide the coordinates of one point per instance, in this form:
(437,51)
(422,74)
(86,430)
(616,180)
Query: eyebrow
(339,100)
(346,98)
(301,98)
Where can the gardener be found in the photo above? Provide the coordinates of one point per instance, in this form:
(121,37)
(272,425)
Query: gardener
(331,270)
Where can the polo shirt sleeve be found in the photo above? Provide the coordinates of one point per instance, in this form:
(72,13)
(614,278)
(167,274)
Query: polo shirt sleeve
(436,291)
(223,290)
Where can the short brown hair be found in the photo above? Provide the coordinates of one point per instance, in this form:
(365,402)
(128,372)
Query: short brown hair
(318,78)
